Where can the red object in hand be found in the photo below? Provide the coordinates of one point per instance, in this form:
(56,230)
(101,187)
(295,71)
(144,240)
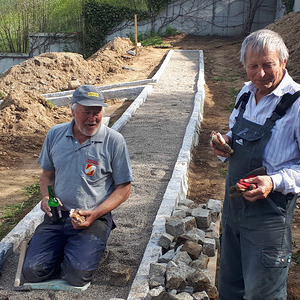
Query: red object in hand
(237,190)
(246,185)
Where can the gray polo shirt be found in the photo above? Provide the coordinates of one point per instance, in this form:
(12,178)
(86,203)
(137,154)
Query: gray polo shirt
(86,174)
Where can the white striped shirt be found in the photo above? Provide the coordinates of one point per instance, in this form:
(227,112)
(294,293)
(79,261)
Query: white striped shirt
(282,153)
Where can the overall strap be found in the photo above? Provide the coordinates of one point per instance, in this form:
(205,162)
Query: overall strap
(280,110)
(243,100)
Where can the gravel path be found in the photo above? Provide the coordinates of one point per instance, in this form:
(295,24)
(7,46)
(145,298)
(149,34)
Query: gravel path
(154,136)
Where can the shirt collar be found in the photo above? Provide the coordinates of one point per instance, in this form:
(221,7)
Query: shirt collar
(70,129)
(99,135)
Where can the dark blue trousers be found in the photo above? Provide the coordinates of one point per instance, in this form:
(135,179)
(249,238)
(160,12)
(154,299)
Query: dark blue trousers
(256,248)
(60,251)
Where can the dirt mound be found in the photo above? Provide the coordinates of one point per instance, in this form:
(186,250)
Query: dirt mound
(289,28)
(25,118)
(29,113)
(116,48)
(112,55)
(52,72)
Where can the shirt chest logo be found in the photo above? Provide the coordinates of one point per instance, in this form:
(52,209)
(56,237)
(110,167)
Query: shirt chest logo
(90,167)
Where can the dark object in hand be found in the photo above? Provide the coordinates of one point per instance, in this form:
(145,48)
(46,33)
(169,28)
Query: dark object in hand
(219,142)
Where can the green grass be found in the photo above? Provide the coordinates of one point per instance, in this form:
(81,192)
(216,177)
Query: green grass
(153,38)
(50,103)
(227,78)
(296,257)
(223,172)
(233,91)
(171,31)
(12,214)
(163,45)
(155,41)
(151,41)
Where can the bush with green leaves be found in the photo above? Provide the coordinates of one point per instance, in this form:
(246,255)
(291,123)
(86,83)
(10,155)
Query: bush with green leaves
(155,6)
(100,19)
(289,5)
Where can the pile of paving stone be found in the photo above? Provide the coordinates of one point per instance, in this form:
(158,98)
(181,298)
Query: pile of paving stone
(190,240)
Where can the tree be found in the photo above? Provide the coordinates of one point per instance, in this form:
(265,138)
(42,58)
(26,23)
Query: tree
(252,9)
(19,18)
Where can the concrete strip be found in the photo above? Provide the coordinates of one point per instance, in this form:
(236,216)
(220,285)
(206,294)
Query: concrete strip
(174,192)
(124,84)
(123,93)
(103,87)
(132,108)
(162,68)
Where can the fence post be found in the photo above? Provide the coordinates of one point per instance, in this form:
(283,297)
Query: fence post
(136,34)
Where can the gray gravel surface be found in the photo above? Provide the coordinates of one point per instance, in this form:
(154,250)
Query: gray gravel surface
(154,136)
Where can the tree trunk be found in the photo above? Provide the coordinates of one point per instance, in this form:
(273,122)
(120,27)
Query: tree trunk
(253,6)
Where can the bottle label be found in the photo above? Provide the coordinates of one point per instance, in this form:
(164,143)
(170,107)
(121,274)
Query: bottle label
(56,214)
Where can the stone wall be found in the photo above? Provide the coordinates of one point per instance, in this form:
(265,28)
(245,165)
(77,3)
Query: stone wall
(205,17)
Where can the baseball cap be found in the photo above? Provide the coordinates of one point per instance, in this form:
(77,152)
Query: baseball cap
(87,95)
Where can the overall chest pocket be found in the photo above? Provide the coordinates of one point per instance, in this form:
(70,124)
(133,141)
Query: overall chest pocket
(248,142)
(246,135)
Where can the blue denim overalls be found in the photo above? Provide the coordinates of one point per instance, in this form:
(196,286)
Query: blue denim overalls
(256,236)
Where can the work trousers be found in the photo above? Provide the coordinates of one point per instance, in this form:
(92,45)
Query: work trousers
(255,258)
(57,250)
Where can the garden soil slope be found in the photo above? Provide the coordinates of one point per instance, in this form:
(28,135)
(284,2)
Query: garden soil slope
(25,116)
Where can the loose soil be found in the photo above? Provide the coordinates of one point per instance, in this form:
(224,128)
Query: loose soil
(25,116)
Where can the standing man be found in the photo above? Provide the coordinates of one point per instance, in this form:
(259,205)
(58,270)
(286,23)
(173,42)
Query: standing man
(256,237)
(89,166)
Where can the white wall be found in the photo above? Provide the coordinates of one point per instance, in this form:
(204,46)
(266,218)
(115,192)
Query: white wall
(207,17)
(297,5)
(40,43)
(7,60)
(52,42)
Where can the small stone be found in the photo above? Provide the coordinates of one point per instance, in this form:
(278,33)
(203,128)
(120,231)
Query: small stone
(120,275)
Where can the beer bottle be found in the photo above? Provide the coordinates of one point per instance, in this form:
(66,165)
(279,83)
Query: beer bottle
(54,205)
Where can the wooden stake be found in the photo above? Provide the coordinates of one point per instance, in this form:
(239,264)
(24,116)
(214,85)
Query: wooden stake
(20,263)
(136,33)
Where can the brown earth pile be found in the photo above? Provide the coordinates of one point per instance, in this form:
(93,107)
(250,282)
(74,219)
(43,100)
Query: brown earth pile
(289,28)
(27,112)
(25,117)
(52,71)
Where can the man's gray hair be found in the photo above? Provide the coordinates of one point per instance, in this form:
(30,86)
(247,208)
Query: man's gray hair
(73,106)
(263,39)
